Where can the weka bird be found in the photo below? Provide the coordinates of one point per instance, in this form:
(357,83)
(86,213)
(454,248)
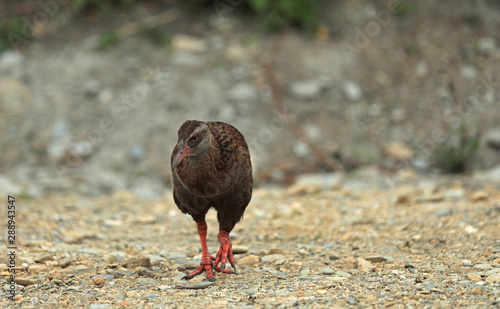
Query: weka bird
(211,168)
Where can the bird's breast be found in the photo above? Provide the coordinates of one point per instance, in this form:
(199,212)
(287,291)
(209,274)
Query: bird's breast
(199,180)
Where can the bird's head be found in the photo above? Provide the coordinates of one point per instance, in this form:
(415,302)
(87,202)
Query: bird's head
(194,140)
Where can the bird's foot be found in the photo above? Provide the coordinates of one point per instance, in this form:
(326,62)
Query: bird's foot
(207,266)
(225,254)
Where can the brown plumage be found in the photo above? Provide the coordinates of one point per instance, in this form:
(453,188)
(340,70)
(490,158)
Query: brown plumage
(211,168)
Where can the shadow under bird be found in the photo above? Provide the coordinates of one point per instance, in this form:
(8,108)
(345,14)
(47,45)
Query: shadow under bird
(211,168)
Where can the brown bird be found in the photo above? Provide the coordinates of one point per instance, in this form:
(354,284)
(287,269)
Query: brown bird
(211,168)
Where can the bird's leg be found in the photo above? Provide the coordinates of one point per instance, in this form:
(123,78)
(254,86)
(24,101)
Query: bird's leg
(225,253)
(206,259)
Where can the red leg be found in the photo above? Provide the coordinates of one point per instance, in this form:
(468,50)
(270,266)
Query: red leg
(206,259)
(225,254)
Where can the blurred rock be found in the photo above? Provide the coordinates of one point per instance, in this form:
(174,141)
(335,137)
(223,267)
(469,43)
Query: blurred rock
(323,180)
(217,42)
(116,257)
(277,258)
(92,88)
(379,258)
(43,257)
(186,43)
(277,251)
(479,195)
(15,97)
(187,59)
(301,149)
(24,281)
(238,249)
(492,138)
(364,265)
(495,278)
(486,46)
(137,261)
(398,115)
(248,260)
(60,141)
(137,152)
(10,61)
(103,179)
(82,149)
(312,131)
(309,89)
(421,69)
(352,91)
(399,151)
(243,92)
(147,188)
(8,187)
(491,175)
(468,71)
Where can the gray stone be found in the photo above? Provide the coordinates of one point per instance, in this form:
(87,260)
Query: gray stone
(104,179)
(187,59)
(8,187)
(90,251)
(137,152)
(494,174)
(11,60)
(327,271)
(351,300)
(217,42)
(309,89)
(443,212)
(486,46)
(441,267)
(82,149)
(61,139)
(100,306)
(176,256)
(379,258)
(15,97)
(43,257)
(273,258)
(301,149)
(243,92)
(492,271)
(342,273)
(147,281)
(92,88)
(117,256)
(492,138)
(313,277)
(352,91)
(155,258)
(468,71)
(325,180)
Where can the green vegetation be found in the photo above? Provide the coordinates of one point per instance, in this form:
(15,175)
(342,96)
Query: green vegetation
(11,32)
(279,14)
(102,6)
(455,158)
(108,39)
(403,7)
(472,18)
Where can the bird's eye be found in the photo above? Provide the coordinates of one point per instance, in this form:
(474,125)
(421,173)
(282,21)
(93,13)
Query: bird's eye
(193,138)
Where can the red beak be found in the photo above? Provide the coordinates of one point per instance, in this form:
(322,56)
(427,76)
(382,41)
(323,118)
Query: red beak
(182,152)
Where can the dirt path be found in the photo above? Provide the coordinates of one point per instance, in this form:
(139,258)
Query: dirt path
(307,246)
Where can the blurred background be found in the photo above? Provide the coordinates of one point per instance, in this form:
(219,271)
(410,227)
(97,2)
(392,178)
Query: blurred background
(92,92)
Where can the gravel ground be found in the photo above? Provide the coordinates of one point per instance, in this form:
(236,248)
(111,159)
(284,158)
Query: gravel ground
(309,246)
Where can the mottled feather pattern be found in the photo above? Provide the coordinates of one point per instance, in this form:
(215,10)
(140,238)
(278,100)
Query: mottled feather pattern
(221,178)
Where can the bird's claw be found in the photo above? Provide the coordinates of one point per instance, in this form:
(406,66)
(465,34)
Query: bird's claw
(224,255)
